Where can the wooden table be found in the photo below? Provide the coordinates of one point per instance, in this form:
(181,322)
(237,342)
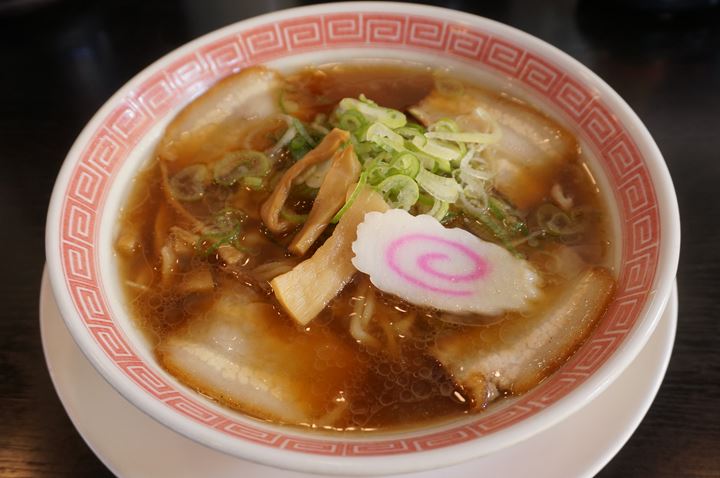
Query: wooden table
(60,63)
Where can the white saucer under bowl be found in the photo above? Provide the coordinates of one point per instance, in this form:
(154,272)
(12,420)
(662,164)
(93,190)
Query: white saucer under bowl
(139,446)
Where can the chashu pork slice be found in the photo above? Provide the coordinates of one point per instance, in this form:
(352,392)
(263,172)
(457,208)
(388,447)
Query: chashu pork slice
(243,354)
(251,94)
(531,148)
(516,354)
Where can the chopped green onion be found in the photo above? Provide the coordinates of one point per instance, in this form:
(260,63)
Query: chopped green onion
(435,148)
(315,175)
(227,219)
(497,231)
(253,182)
(299,147)
(477,202)
(287,136)
(556,222)
(238,164)
(519,227)
(190,183)
(410,130)
(504,206)
(509,217)
(363,148)
(493,136)
(407,164)
(443,165)
(445,125)
(383,136)
(426,200)
(302,131)
(462,150)
(495,208)
(428,169)
(293,217)
(319,124)
(358,187)
(217,240)
(387,116)
(383,157)
(303,191)
(378,173)
(399,191)
(351,120)
(545,213)
(449,217)
(226,229)
(439,209)
(433,164)
(474,167)
(439,187)
(474,200)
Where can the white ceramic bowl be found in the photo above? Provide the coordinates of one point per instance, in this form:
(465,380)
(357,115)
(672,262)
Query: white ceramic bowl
(94,179)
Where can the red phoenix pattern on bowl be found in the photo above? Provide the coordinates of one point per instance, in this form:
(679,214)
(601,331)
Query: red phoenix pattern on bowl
(110,145)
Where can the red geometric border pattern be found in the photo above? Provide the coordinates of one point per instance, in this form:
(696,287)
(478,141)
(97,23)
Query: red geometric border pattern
(188,76)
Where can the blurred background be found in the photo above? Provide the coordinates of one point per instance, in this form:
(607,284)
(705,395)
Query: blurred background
(61,60)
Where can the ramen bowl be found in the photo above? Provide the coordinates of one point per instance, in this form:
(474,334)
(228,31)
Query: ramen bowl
(97,173)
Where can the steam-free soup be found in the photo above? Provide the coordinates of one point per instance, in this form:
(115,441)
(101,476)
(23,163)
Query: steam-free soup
(363,246)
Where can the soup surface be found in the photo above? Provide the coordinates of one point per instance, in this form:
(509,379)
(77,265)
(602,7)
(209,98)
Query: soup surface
(234,246)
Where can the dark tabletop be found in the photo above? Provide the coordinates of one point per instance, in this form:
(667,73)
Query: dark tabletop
(59,62)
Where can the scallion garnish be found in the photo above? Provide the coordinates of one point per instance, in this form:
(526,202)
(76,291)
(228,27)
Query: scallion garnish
(414,167)
(358,187)
(293,217)
(400,191)
(235,165)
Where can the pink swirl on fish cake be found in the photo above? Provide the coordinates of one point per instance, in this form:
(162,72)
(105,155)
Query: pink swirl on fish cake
(425,264)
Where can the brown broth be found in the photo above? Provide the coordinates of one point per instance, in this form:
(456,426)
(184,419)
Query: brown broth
(397,386)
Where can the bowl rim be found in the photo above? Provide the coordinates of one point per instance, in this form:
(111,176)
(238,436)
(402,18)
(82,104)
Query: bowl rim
(668,255)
